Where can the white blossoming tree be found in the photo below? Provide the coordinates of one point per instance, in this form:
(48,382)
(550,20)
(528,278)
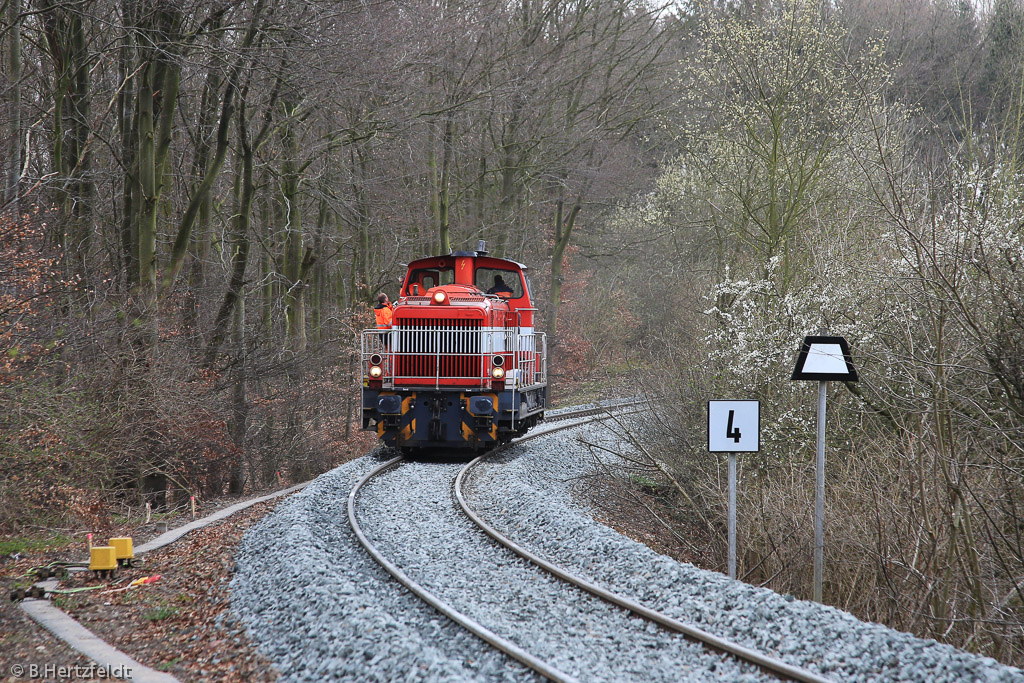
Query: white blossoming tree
(783,103)
(798,206)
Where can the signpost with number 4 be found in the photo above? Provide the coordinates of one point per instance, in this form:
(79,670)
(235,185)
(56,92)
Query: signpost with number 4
(733,427)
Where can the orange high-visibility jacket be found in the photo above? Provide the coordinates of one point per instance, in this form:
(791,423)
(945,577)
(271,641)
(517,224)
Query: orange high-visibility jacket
(383,313)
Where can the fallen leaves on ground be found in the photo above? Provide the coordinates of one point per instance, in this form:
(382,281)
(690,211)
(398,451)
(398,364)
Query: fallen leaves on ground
(181,623)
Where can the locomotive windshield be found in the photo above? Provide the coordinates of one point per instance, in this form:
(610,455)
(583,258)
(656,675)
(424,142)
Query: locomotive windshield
(428,278)
(499,281)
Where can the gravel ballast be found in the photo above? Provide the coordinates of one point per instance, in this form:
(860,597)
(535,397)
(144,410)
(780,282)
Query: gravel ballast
(527,494)
(318,606)
(577,633)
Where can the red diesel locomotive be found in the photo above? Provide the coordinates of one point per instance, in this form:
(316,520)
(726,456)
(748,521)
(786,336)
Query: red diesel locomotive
(461,365)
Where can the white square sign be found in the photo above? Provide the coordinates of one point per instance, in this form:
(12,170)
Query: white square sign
(734,426)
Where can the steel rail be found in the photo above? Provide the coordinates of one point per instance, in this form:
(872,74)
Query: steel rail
(606,411)
(766,662)
(474,627)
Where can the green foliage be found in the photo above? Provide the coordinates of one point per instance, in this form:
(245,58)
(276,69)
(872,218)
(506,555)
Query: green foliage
(642,482)
(168,665)
(160,613)
(785,107)
(21,544)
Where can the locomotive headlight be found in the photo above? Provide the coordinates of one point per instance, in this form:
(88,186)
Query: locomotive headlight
(498,373)
(376,371)
(498,361)
(439,297)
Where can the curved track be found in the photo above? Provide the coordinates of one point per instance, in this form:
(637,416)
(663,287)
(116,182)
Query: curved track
(766,663)
(476,628)
(769,664)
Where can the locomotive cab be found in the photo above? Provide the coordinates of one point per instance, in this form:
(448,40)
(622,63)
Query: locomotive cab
(461,365)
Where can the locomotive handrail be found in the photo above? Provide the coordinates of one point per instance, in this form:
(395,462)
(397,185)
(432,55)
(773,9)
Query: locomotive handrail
(459,355)
(437,369)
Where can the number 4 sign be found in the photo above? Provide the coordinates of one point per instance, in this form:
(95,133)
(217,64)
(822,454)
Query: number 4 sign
(734,426)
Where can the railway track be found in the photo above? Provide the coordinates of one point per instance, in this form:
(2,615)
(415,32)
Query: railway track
(472,625)
(320,608)
(765,663)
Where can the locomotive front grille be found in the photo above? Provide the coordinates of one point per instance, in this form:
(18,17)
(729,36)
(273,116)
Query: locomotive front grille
(418,352)
(427,350)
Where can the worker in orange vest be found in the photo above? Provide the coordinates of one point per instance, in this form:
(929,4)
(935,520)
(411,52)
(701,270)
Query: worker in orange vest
(383,311)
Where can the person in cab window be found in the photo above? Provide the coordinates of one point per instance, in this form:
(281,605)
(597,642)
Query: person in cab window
(500,287)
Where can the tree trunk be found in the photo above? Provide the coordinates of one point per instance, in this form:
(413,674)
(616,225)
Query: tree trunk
(432,183)
(200,241)
(12,185)
(363,261)
(80,162)
(127,120)
(318,272)
(443,198)
(202,192)
(268,215)
(155,132)
(54,23)
(563,234)
(245,190)
(509,176)
(148,195)
(188,219)
(67,47)
(239,397)
(296,263)
(240,238)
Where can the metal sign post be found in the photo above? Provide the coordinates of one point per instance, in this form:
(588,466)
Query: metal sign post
(732,515)
(819,494)
(823,359)
(733,427)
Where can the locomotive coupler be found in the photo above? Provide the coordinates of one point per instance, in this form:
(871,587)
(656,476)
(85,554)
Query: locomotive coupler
(438,430)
